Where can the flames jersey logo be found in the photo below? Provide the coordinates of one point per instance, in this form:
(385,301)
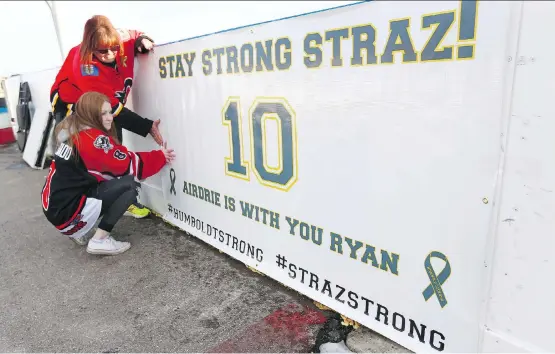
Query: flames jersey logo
(122,95)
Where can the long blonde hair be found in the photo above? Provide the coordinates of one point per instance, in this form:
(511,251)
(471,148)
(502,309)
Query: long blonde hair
(87,114)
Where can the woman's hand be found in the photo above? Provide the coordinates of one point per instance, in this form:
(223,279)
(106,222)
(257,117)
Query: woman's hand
(168,153)
(155,132)
(147,44)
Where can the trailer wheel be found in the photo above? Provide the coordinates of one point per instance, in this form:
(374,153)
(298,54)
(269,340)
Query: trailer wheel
(23,114)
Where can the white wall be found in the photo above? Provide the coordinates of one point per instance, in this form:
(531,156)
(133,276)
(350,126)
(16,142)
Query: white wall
(521,300)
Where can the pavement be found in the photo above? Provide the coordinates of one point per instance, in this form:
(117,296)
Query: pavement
(169,293)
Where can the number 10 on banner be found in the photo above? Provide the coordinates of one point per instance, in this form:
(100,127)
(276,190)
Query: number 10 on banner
(284,175)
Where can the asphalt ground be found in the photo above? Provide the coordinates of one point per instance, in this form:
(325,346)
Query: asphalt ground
(169,293)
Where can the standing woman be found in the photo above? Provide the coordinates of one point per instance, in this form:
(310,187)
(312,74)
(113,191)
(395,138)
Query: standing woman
(103,62)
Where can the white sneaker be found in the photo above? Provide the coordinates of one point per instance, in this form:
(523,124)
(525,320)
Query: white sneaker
(107,246)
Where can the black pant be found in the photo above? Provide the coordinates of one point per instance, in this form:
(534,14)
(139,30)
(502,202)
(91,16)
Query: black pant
(116,195)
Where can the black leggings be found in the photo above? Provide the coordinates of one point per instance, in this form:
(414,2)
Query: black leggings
(116,195)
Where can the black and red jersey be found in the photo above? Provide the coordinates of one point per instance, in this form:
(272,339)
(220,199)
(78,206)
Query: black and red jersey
(76,171)
(113,80)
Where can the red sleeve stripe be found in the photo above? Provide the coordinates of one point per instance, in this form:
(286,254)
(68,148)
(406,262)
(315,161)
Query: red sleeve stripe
(131,166)
(136,164)
(47,186)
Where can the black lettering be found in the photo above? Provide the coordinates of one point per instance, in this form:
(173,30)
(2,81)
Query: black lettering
(398,321)
(313,279)
(259,257)
(303,273)
(441,345)
(292,271)
(250,251)
(384,313)
(368,302)
(354,300)
(327,287)
(395,317)
(340,293)
(421,334)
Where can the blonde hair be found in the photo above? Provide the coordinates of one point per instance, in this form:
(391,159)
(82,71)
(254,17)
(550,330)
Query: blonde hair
(99,32)
(88,114)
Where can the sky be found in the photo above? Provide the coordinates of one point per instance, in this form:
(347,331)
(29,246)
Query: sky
(29,40)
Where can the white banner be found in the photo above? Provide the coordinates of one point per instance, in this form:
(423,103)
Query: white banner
(349,154)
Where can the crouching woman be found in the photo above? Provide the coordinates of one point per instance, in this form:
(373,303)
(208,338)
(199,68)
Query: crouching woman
(93,176)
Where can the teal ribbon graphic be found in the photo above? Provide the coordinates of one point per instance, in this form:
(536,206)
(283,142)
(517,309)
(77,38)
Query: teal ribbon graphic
(172,181)
(436,281)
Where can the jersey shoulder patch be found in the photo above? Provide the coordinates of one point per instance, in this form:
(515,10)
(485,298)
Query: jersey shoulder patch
(124,34)
(103,143)
(89,70)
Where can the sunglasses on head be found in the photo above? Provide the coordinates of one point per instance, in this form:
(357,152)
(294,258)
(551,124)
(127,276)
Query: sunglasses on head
(113,48)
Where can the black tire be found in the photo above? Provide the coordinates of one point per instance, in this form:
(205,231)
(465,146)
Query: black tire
(21,139)
(23,115)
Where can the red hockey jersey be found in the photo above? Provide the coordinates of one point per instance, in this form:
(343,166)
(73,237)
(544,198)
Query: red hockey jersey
(115,81)
(74,173)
